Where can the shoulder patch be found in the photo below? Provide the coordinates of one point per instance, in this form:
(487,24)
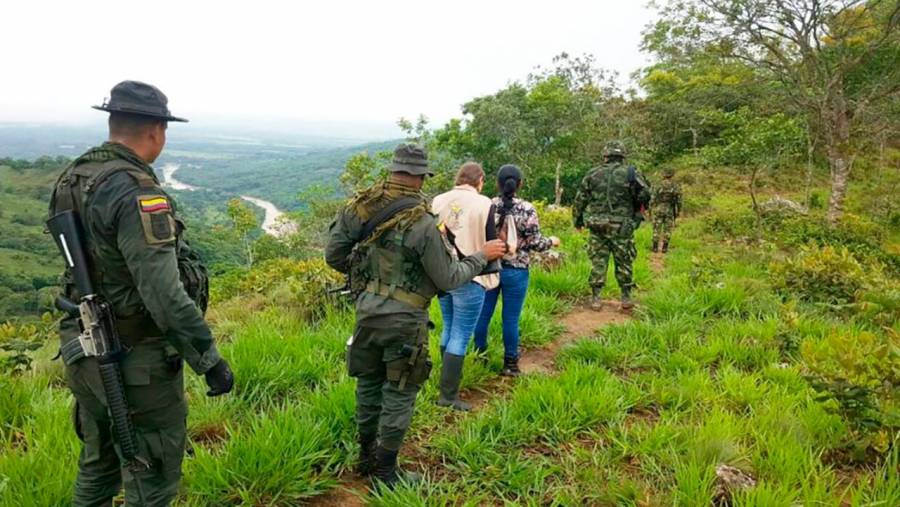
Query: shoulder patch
(157,219)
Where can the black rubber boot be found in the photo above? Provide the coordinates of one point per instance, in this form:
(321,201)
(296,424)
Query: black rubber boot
(665,246)
(596,300)
(387,473)
(451,376)
(655,247)
(365,465)
(510,367)
(627,303)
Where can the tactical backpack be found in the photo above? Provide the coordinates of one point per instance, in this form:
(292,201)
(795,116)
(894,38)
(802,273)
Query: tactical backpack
(381,264)
(667,193)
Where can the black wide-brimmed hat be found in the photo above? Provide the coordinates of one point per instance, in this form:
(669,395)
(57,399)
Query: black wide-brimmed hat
(135,97)
(411,158)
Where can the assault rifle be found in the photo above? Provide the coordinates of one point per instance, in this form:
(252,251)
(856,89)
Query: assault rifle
(99,337)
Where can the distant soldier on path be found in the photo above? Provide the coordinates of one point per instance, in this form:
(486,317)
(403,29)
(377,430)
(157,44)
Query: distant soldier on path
(157,289)
(665,206)
(397,259)
(609,203)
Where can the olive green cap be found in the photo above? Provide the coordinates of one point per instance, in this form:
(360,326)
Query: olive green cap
(135,97)
(411,158)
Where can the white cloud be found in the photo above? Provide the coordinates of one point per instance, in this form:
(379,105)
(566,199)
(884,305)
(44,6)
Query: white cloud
(344,61)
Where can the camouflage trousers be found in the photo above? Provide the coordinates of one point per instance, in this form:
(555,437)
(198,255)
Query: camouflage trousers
(663,225)
(621,249)
(386,384)
(154,388)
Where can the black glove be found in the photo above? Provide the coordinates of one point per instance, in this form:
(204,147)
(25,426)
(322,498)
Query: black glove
(220,379)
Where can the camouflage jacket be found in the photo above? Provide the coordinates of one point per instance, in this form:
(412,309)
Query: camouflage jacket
(666,199)
(612,192)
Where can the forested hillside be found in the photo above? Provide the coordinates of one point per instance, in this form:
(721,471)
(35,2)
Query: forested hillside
(28,259)
(760,368)
(279,177)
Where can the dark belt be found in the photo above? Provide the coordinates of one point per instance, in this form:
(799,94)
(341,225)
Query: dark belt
(135,329)
(131,332)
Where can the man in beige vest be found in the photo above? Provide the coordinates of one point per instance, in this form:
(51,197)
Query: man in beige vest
(467,219)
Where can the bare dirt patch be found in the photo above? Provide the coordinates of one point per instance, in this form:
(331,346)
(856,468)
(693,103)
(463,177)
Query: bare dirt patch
(348,494)
(582,322)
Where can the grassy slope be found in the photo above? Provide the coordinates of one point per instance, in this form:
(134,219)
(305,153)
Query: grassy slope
(639,414)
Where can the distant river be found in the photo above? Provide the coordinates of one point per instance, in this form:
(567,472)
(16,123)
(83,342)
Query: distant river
(271,224)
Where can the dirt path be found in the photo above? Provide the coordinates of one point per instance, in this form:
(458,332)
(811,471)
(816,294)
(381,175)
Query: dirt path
(657,262)
(581,322)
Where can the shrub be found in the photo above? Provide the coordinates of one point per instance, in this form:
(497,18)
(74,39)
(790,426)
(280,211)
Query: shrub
(554,219)
(860,373)
(18,341)
(823,275)
(302,285)
(817,199)
(861,236)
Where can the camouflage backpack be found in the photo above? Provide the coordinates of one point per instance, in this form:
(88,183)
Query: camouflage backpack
(666,193)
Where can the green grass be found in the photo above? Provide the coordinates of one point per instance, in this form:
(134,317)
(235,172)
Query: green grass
(641,413)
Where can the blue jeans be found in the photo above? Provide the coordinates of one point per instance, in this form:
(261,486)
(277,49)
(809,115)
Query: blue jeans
(514,286)
(460,309)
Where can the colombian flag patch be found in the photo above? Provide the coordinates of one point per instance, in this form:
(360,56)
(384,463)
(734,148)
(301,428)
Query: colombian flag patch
(153,204)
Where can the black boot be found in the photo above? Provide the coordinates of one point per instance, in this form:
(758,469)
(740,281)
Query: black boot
(665,246)
(627,303)
(387,473)
(655,247)
(511,367)
(596,300)
(451,376)
(365,466)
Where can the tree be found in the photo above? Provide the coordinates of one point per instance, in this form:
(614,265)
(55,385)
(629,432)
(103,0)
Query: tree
(836,60)
(759,144)
(553,125)
(243,220)
(362,170)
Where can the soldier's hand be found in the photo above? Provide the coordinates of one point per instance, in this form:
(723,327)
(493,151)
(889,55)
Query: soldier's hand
(494,249)
(579,229)
(554,241)
(220,379)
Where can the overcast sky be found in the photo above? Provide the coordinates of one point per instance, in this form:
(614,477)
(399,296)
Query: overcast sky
(340,61)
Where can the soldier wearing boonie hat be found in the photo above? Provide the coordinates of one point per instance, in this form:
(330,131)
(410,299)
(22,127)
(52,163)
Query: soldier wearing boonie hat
(388,243)
(158,289)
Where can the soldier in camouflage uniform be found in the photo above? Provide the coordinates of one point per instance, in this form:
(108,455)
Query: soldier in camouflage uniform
(665,206)
(157,287)
(395,268)
(609,203)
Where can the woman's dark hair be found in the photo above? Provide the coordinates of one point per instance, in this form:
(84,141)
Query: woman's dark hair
(509,177)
